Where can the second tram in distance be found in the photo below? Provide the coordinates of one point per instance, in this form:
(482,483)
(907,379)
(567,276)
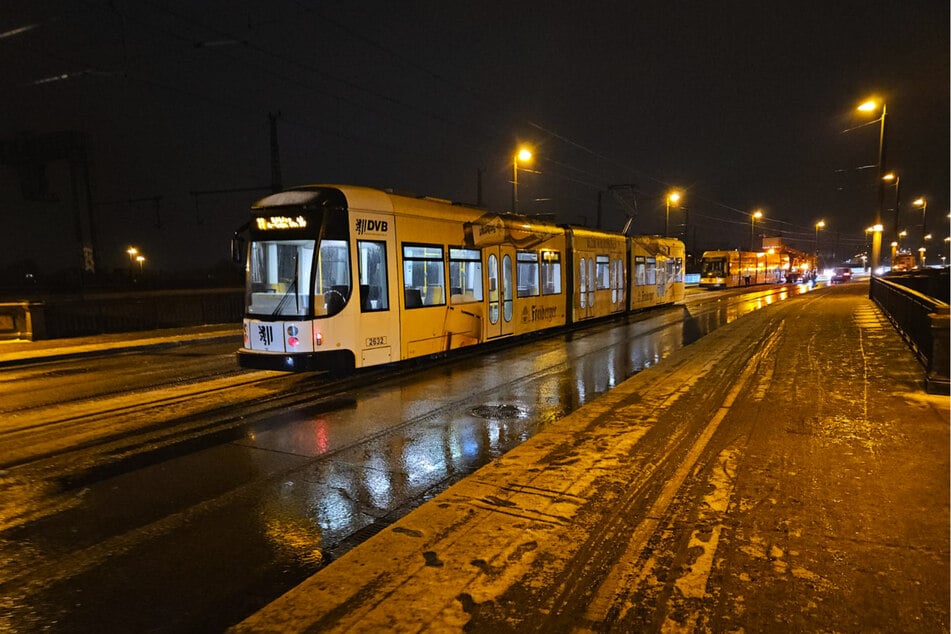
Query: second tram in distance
(343,277)
(723,269)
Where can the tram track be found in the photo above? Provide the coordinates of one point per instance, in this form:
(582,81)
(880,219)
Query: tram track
(108,425)
(29,578)
(108,428)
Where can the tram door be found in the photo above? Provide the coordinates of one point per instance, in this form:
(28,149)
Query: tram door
(586,286)
(500,283)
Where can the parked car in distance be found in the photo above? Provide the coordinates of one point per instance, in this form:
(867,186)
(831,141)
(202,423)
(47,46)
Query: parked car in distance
(841,274)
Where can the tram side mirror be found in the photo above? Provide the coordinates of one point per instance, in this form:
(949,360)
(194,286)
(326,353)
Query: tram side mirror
(238,244)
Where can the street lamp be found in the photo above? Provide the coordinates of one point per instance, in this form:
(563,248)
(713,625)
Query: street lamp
(819,225)
(876,231)
(921,202)
(872,106)
(132,251)
(141,260)
(889,178)
(894,253)
(756,215)
(921,252)
(672,197)
(524,154)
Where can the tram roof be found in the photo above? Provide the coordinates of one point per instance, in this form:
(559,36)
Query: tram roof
(369,199)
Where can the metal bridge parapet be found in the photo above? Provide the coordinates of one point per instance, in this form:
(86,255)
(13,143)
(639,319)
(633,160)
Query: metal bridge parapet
(924,323)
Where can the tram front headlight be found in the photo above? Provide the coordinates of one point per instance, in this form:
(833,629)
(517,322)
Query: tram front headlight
(318,338)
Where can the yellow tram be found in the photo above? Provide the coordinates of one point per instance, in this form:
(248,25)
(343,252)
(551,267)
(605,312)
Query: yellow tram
(342,277)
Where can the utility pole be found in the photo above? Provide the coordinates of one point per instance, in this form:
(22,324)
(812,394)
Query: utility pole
(30,155)
(686,224)
(600,193)
(276,181)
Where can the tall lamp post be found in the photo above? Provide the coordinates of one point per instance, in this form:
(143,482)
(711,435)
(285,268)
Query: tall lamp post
(896,178)
(819,225)
(524,155)
(876,232)
(756,215)
(672,197)
(872,106)
(921,202)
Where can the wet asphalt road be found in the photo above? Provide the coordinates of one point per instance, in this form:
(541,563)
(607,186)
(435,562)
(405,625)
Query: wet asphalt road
(786,473)
(194,535)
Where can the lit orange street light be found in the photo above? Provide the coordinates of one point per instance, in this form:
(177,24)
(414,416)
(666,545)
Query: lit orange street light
(672,197)
(756,215)
(893,178)
(872,106)
(921,202)
(524,154)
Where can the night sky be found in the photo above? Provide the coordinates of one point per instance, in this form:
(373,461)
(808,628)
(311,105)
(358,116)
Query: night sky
(740,105)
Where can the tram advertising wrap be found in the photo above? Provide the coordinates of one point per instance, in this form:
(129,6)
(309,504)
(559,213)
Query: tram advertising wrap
(342,277)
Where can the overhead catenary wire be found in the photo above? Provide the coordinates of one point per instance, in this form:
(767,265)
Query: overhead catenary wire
(590,179)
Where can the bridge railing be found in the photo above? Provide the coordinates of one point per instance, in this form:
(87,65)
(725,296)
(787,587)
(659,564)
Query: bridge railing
(58,317)
(924,322)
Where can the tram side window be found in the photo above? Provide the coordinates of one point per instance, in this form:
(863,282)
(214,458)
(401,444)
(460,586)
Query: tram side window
(333,282)
(465,275)
(374,293)
(603,272)
(527,273)
(651,270)
(423,276)
(640,270)
(551,272)
(679,268)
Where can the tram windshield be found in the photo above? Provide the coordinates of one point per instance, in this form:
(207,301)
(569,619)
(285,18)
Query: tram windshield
(292,276)
(713,267)
(279,277)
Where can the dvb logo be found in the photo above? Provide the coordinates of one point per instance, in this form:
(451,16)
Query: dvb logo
(371,226)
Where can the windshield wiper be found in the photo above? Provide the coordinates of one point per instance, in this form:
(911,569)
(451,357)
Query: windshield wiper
(290,289)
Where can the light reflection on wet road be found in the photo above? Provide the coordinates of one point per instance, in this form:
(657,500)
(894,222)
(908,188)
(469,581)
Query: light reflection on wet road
(201,540)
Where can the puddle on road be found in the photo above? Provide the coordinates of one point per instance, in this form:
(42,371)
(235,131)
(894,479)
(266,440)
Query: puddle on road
(497,412)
